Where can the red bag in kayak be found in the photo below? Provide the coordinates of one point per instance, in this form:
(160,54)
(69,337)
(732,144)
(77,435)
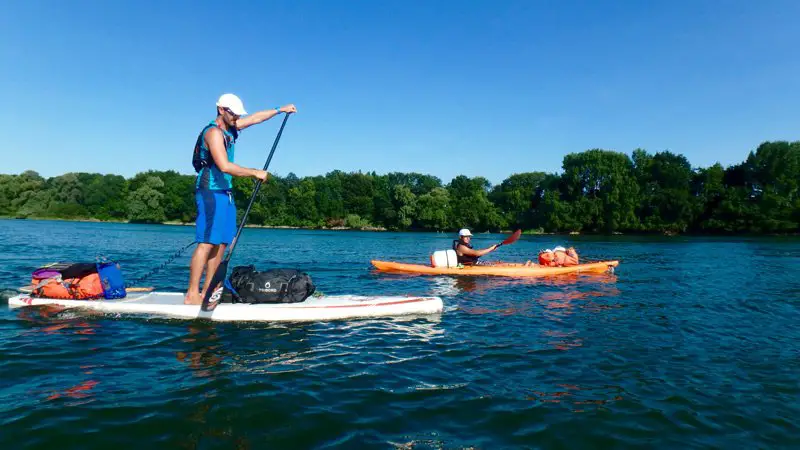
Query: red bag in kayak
(547,258)
(560,257)
(67,281)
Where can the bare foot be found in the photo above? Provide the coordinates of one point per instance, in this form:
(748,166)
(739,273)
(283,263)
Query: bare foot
(192,298)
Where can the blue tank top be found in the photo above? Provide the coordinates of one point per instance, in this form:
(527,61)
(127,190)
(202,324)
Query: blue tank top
(210,178)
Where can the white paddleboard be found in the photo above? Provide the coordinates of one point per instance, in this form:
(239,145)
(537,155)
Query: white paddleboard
(170,304)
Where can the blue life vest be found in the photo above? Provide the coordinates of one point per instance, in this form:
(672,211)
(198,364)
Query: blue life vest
(209,177)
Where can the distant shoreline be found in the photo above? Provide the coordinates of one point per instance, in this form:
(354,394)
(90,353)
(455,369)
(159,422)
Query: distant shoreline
(276,227)
(381,229)
(191,224)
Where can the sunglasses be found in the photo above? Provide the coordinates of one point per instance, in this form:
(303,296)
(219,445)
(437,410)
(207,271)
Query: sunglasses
(228,110)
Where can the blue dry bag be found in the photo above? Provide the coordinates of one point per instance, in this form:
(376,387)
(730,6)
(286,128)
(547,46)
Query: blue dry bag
(111,279)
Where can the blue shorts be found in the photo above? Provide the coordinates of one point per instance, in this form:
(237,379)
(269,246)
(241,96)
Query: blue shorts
(216,217)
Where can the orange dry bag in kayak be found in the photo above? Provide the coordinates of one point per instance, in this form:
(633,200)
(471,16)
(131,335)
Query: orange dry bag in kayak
(560,257)
(565,258)
(67,281)
(547,258)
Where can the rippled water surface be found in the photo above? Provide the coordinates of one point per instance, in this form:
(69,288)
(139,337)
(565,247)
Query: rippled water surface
(693,343)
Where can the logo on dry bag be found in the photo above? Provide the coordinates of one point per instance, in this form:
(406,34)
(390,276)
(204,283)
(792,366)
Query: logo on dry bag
(267,288)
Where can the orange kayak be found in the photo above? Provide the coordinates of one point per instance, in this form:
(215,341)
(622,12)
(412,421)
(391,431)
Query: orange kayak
(500,270)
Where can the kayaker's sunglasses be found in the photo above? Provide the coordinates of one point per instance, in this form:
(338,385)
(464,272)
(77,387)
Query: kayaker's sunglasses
(228,110)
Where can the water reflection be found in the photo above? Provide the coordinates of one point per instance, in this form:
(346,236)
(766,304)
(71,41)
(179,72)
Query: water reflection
(516,309)
(483,285)
(563,340)
(79,391)
(424,328)
(52,319)
(204,351)
(562,303)
(570,279)
(277,349)
(454,285)
(556,305)
(82,391)
(578,398)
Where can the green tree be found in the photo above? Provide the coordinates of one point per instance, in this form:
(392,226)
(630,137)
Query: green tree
(404,204)
(602,188)
(302,202)
(145,203)
(384,212)
(106,196)
(67,197)
(273,201)
(708,189)
(598,191)
(471,207)
(434,210)
(358,195)
(514,198)
(8,192)
(32,198)
(329,200)
(417,182)
(179,201)
(774,180)
(550,212)
(665,182)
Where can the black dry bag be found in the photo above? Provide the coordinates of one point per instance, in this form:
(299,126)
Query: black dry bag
(246,285)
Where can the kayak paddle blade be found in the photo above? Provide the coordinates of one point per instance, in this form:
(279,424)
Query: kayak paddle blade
(513,238)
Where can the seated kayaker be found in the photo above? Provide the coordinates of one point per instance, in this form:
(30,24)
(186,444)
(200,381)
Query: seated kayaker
(465,253)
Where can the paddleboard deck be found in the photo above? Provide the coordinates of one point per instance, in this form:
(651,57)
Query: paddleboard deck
(170,304)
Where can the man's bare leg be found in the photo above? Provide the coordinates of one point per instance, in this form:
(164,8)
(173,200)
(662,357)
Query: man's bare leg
(199,259)
(214,258)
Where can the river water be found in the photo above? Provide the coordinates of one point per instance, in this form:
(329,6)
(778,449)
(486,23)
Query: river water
(692,343)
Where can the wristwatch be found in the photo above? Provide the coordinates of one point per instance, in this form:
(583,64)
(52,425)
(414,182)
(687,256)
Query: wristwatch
(278,108)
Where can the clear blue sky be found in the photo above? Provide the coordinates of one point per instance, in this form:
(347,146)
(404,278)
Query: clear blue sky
(485,88)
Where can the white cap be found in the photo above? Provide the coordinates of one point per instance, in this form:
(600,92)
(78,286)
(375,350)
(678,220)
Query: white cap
(233,103)
(559,249)
(464,232)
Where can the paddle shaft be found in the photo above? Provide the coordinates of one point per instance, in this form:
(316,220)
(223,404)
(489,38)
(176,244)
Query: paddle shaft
(222,270)
(255,191)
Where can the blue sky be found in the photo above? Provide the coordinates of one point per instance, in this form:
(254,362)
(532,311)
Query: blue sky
(484,88)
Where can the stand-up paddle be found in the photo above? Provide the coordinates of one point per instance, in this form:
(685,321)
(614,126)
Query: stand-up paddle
(511,239)
(213,295)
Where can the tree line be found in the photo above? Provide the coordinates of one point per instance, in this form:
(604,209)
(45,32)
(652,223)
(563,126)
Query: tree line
(598,191)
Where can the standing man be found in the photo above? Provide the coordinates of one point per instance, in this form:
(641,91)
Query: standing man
(216,213)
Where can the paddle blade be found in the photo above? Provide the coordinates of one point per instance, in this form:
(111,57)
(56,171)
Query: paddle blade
(513,238)
(213,295)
